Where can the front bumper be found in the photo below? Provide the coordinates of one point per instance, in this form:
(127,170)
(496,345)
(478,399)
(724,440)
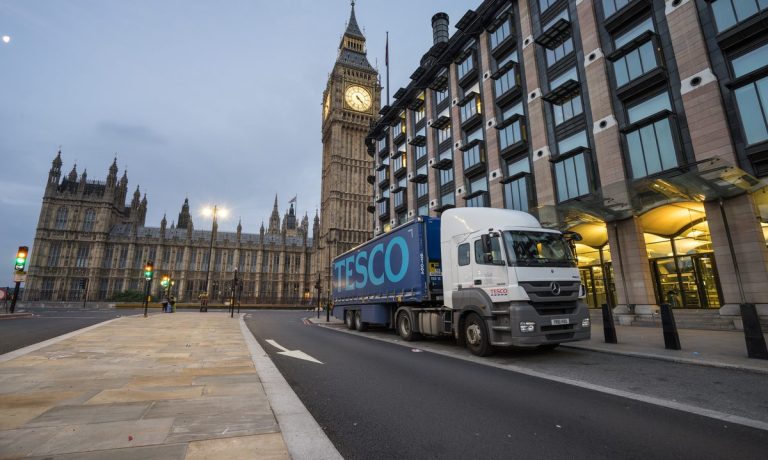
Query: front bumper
(505,330)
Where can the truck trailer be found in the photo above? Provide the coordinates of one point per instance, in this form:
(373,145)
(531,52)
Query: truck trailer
(488,277)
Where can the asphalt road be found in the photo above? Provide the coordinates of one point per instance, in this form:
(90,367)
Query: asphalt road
(381,400)
(47,323)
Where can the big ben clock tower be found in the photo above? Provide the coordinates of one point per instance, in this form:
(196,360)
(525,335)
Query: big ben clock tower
(351,101)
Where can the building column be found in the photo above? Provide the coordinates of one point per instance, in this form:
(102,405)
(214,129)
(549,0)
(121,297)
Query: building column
(493,162)
(750,253)
(631,270)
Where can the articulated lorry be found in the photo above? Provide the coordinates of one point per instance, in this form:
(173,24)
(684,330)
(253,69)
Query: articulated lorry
(488,277)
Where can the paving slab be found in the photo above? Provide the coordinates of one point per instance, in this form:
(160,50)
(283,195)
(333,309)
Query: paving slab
(166,386)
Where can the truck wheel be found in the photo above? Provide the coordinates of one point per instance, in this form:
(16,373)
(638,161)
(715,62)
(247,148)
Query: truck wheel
(476,335)
(349,319)
(405,327)
(359,324)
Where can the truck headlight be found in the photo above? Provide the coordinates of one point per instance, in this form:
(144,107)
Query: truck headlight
(585,322)
(527,326)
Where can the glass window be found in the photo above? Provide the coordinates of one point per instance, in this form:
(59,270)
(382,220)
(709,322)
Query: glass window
(398,163)
(648,107)
(399,198)
(466,66)
(625,37)
(562,15)
(496,257)
(418,115)
(509,57)
(651,149)
(61,218)
(470,109)
(423,210)
(440,96)
(448,199)
(571,142)
(478,185)
(516,109)
(82,256)
(511,134)
(571,175)
(422,189)
(464,254)
(752,102)
(54,252)
(383,208)
(612,6)
(506,82)
(89,220)
(444,134)
(559,52)
(473,156)
(569,74)
(382,143)
(750,61)
(420,151)
(475,135)
(728,13)
(635,63)
(516,192)
(567,109)
(500,33)
(446,176)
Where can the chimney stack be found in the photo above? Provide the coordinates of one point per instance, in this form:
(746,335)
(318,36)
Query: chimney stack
(440,28)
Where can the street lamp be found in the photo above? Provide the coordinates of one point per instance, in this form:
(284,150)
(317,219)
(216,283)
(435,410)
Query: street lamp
(6,39)
(214,213)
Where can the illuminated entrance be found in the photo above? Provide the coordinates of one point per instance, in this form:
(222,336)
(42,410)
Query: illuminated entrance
(680,254)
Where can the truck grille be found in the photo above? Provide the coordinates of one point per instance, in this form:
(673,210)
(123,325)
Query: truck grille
(551,291)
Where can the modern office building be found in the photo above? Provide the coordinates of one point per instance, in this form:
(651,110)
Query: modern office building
(91,245)
(640,124)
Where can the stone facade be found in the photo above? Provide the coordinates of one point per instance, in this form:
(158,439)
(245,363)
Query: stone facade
(345,194)
(87,232)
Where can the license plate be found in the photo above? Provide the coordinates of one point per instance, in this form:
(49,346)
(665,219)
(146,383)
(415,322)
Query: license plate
(559,321)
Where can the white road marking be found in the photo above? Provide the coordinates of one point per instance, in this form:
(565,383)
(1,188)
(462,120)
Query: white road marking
(292,353)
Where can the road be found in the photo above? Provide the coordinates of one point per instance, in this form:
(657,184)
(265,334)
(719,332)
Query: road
(47,323)
(376,399)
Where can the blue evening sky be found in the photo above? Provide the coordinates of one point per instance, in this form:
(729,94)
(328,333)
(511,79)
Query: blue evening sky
(218,101)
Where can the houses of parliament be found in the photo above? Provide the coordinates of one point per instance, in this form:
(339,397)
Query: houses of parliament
(92,244)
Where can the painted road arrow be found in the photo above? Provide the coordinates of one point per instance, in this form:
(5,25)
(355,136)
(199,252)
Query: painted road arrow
(292,353)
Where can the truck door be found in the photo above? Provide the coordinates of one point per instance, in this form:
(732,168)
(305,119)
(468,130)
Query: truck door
(465,269)
(489,269)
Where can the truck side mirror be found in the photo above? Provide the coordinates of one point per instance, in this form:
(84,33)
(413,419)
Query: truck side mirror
(486,242)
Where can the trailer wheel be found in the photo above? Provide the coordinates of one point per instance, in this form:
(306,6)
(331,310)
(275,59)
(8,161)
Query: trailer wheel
(405,327)
(476,335)
(359,324)
(349,319)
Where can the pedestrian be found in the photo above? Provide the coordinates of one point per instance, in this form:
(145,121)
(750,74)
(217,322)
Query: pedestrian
(172,303)
(165,305)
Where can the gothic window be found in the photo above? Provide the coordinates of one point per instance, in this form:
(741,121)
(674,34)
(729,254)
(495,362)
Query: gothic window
(53,254)
(61,218)
(89,220)
(82,256)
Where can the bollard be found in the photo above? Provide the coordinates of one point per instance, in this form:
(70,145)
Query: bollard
(671,339)
(753,333)
(609,328)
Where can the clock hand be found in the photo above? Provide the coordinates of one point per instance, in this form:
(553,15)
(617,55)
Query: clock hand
(358,98)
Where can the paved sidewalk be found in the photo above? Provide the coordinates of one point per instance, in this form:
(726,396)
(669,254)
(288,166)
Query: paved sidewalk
(171,386)
(725,349)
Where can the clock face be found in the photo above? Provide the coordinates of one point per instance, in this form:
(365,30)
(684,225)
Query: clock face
(358,98)
(327,105)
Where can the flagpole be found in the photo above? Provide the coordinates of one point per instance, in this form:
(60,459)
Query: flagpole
(386,63)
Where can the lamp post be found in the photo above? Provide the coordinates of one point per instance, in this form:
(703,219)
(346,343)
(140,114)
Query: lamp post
(213,212)
(6,39)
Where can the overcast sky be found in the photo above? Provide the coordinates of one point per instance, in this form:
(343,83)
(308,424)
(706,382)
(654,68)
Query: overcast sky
(215,100)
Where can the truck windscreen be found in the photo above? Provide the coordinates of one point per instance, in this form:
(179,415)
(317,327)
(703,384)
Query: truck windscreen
(537,249)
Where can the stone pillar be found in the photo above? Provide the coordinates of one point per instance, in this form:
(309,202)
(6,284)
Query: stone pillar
(631,270)
(750,253)
(493,162)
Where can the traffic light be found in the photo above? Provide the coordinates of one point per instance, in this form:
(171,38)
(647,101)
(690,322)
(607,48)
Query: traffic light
(21,258)
(165,281)
(148,270)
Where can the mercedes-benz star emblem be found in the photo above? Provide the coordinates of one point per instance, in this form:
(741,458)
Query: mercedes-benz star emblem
(555,287)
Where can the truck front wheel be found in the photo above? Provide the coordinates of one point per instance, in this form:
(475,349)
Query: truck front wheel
(405,327)
(476,335)
(349,319)
(359,324)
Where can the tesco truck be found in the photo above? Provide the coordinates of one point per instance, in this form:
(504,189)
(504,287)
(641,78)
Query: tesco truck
(488,277)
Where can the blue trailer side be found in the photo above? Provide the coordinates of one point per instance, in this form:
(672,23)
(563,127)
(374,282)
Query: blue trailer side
(400,267)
